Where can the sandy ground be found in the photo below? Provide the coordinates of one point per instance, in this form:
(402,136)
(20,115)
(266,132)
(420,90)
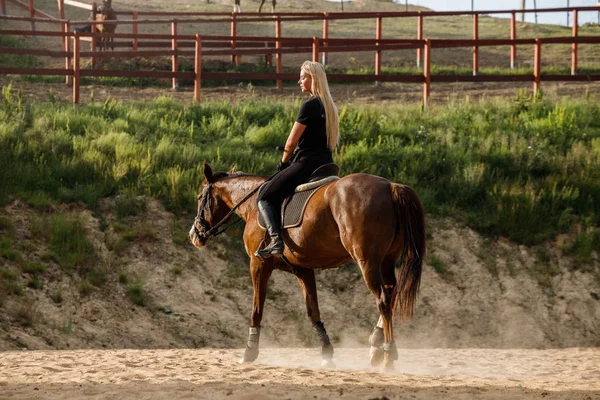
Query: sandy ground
(295,374)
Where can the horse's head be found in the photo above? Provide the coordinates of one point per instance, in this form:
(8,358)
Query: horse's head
(211,208)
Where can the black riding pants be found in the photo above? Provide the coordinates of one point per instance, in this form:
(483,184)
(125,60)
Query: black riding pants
(284,183)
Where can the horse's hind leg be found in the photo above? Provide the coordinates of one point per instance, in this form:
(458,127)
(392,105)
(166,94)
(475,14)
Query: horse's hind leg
(380,279)
(306,279)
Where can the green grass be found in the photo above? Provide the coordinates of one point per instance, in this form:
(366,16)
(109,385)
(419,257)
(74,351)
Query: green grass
(526,168)
(17,60)
(137,294)
(437,264)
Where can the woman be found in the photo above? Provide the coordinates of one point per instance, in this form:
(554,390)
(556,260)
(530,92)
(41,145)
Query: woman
(314,136)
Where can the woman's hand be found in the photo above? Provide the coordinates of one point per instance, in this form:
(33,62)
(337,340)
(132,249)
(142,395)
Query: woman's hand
(282,165)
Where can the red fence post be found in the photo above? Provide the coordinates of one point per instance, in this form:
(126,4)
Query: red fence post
(574,45)
(76,68)
(427,71)
(64,45)
(278,47)
(325,35)
(537,65)
(234,59)
(197,69)
(94,30)
(134,30)
(419,37)
(32,14)
(174,66)
(475,48)
(67,45)
(315,49)
(378,29)
(513,36)
(61,9)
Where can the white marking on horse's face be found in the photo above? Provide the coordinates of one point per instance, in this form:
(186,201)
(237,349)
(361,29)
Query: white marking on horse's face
(195,239)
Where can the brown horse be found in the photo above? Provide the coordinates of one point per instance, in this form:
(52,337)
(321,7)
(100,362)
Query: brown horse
(237,8)
(105,13)
(360,217)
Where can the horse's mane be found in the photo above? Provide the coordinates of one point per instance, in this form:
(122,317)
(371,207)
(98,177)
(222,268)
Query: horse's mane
(224,175)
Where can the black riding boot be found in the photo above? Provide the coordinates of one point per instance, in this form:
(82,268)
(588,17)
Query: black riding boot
(272,221)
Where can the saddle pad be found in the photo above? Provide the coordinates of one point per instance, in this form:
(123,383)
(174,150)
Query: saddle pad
(293,208)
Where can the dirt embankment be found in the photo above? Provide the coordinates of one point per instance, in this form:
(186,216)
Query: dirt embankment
(475,293)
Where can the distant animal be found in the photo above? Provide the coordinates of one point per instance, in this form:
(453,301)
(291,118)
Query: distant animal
(106,13)
(237,8)
(84,29)
(363,218)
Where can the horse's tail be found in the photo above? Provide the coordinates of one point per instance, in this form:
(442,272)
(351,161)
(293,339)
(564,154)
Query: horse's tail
(410,215)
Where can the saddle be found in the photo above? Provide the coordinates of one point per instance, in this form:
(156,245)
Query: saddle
(292,209)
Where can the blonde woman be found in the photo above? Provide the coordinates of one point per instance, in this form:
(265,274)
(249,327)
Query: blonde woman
(310,144)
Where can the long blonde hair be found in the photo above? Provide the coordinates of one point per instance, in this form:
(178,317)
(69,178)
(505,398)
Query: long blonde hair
(320,88)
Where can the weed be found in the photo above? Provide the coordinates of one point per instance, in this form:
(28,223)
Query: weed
(275,295)
(177,269)
(26,313)
(67,327)
(123,280)
(35,283)
(85,288)
(8,252)
(126,206)
(179,233)
(437,264)
(57,297)
(212,296)
(69,243)
(488,257)
(136,294)
(34,268)
(97,277)
(5,224)
(586,242)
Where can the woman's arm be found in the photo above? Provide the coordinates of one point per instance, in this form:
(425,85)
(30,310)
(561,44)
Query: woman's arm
(292,141)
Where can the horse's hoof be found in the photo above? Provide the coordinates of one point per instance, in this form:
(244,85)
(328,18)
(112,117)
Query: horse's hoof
(327,363)
(376,356)
(250,355)
(387,367)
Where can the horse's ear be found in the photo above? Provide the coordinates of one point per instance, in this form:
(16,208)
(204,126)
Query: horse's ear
(232,170)
(208,174)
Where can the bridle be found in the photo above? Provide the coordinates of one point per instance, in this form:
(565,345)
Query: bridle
(207,230)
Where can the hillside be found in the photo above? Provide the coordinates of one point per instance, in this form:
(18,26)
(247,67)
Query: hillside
(134,282)
(96,202)
(156,291)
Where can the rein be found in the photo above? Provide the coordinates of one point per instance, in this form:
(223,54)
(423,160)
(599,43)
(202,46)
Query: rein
(214,230)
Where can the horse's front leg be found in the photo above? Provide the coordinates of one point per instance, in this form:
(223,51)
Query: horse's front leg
(260,272)
(306,279)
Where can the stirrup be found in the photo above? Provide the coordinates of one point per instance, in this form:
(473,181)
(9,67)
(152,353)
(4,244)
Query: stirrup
(267,251)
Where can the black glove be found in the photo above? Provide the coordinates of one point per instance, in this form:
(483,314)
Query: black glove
(282,165)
